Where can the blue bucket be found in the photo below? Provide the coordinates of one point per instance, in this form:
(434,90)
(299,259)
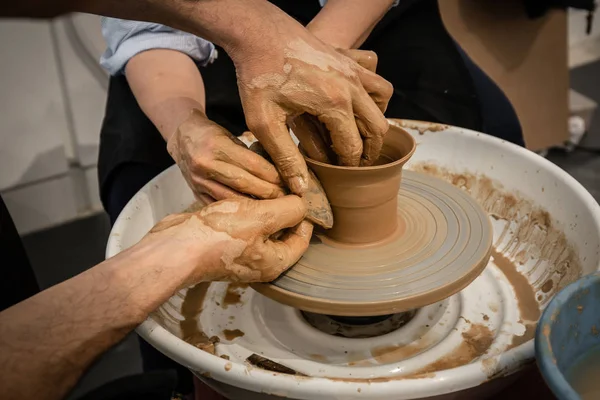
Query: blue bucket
(569,329)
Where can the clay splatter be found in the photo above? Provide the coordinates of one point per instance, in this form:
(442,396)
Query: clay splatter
(529,308)
(233,295)
(232,334)
(475,343)
(422,127)
(190,326)
(531,234)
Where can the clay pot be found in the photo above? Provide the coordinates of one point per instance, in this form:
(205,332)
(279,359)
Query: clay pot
(364,200)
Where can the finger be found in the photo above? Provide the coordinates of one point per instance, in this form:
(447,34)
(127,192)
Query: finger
(206,199)
(257,148)
(379,89)
(345,138)
(251,162)
(365,58)
(289,248)
(372,126)
(214,189)
(311,139)
(241,181)
(280,213)
(275,138)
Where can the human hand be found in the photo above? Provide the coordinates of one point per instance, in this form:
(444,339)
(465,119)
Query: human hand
(217,165)
(313,136)
(234,240)
(296,73)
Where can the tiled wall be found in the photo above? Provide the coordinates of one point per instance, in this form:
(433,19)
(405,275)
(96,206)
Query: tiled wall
(51,108)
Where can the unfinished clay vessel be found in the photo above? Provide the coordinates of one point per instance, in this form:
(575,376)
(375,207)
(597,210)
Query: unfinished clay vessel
(364,200)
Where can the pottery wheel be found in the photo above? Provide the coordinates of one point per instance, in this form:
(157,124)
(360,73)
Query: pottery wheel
(442,244)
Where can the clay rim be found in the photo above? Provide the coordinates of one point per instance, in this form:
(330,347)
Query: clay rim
(400,161)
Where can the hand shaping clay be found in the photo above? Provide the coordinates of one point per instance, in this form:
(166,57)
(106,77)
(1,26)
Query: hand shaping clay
(319,210)
(364,200)
(391,249)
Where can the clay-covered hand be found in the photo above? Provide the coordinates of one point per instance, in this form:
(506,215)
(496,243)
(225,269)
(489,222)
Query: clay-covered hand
(240,240)
(313,135)
(218,166)
(299,74)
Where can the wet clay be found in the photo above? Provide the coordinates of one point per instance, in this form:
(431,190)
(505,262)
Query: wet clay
(364,200)
(427,259)
(476,341)
(529,233)
(232,296)
(423,127)
(190,326)
(319,211)
(266,364)
(313,138)
(529,308)
(231,334)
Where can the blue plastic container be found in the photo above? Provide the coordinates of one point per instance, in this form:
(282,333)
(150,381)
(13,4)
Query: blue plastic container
(569,328)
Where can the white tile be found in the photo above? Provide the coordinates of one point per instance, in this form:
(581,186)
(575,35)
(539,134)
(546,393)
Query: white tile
(32,111)
(86,83)
(42,205)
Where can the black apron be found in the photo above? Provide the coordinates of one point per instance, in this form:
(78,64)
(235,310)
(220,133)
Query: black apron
(18,280)
(416,54)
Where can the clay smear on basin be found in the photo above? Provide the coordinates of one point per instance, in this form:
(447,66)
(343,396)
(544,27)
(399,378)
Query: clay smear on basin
(233,295)
(423,127)
(189,327)
(529,234)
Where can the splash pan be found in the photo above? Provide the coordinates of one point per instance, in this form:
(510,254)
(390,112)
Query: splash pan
(546,233)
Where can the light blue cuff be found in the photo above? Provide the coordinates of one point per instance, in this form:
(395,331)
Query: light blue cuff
(125,39)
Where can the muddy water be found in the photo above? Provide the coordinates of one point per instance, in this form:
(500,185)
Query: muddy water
(233,296)
(190,328)
(584,375)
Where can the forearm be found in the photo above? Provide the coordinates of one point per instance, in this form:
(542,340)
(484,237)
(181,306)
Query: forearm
(167,85)
(241,27)
(346,24)
(48,341)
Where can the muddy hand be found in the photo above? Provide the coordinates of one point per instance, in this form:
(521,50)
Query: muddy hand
(313,136)
(232,240)
(300,74)
(380,94)
(319,210)
(217,166)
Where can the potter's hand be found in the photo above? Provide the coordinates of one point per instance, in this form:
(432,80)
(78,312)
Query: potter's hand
(217,166)
(234,240)
(299,74)
(313,135)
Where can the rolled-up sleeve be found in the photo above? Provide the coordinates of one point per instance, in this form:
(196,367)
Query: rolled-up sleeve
(124,39)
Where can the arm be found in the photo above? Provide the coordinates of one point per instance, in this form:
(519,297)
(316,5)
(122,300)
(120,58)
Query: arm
(167,85)
(277,62)
(47,341)
(346,24)
(169,89)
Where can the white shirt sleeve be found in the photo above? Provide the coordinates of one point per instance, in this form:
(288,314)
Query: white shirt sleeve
(124,39)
